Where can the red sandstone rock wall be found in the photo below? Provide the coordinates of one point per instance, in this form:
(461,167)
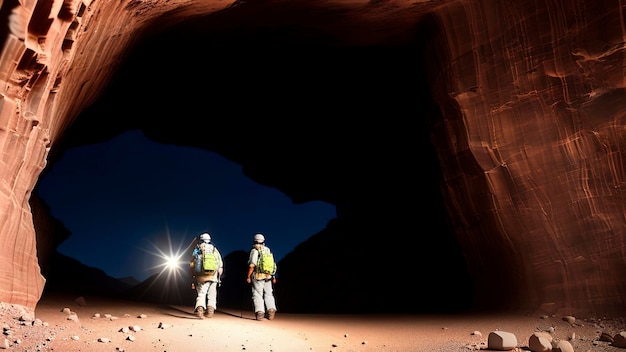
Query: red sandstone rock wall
(532,145)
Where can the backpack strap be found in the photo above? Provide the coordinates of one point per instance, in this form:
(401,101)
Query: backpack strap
(258,258)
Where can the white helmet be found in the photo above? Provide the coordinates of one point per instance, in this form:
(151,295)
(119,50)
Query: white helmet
(205,237)
(259,238)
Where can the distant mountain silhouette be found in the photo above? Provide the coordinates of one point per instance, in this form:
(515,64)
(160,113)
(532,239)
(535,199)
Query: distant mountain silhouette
(68,275)
(131,281)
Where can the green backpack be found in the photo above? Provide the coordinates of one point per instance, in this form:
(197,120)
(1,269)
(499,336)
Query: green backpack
(209,259)
(266,264)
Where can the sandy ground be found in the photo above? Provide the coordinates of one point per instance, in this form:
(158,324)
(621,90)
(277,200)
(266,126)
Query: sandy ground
(62,323)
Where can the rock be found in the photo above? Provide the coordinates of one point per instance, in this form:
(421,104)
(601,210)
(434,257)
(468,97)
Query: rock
(562,346)
(501,341)
(570,319)
(81,301)
(605,337)
(540,342)
(619,340)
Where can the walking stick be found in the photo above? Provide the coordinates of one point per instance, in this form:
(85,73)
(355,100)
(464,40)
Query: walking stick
(241,295)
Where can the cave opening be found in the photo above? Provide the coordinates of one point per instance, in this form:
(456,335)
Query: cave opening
(320,121)
(137,198)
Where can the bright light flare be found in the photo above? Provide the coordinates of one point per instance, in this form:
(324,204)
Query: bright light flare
(172,262)
(171,267)
(169,261)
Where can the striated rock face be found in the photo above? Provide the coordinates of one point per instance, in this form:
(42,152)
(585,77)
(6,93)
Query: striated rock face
(530,145)
(513,108)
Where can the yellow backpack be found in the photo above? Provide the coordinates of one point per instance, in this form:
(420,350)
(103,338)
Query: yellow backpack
(266,264)
(204,260)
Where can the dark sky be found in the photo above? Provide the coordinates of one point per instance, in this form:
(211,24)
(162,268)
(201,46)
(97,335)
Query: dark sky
(126,199)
